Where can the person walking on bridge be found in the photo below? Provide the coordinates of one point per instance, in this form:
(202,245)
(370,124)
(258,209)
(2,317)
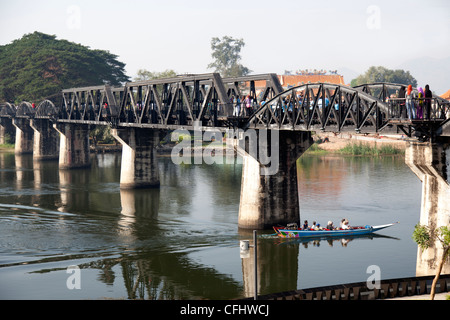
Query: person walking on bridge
(237,108)
(409,96)
(248,104)
(420,104)
(428,96)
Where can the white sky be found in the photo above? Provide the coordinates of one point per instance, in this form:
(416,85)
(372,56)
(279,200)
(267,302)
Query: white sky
(279,34)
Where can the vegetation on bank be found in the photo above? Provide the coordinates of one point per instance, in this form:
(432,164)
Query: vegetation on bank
(358,149)
(364,149)
(7,146)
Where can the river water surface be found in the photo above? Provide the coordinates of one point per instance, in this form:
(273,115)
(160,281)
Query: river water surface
(182,241)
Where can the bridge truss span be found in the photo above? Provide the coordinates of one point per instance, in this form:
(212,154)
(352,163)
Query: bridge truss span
(7,110)
(322,106)
(174,101)
(205,99)
(96,104)
(46,110)
(24,110)
(208,100)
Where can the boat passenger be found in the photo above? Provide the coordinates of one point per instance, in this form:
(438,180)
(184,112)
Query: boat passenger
(313,227)
(345,225)
(318,227)
(305,225)
(330,225)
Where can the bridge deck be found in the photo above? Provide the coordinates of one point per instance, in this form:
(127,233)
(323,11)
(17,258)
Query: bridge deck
(209,100)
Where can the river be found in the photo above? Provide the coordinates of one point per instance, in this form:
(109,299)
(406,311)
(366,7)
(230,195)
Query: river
(181,241)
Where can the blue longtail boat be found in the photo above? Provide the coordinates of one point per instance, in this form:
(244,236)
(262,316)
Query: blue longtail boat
(292,232)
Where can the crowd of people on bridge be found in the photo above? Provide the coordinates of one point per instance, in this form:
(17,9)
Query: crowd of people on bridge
(245,105)
(407,102)
(416,104)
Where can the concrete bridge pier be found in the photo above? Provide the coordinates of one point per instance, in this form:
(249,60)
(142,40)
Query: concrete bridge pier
(431,164)
(24,136)
(139,167)
(7,131)
(270,197)
(74,145)
(46,140)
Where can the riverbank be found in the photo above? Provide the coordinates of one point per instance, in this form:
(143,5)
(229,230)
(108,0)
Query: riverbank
(345,143)
(342,143)
(7,147)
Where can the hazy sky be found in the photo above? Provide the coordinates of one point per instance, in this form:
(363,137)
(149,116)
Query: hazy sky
(279,34)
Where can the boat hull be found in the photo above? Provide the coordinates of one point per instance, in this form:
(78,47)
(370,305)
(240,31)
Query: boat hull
(295,233)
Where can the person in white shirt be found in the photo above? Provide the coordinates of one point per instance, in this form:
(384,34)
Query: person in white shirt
(344,224)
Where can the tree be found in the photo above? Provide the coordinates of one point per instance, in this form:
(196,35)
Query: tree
(144,74)
(39,66)
(426,237)
(382,74)
(101,134)
(226,55)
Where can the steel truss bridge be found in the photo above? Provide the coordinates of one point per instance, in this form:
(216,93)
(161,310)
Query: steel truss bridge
(209,100)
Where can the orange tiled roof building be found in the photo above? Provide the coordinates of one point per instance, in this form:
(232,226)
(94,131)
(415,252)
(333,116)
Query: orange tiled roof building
(446,95)
(288,81)
(297,80)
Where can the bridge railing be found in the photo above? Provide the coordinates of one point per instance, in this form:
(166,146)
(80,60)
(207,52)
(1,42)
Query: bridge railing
(419,109)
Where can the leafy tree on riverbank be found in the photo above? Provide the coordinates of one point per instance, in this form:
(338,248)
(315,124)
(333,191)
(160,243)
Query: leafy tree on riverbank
(39,66)
(382,74)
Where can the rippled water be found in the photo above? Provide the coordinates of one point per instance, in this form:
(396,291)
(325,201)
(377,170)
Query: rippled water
(182,241)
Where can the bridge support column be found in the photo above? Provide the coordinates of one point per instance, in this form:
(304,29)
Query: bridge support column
(46,140)
(74,145)
(139,157)
(7,131)
(431,164)
(270,199)
(24,136)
